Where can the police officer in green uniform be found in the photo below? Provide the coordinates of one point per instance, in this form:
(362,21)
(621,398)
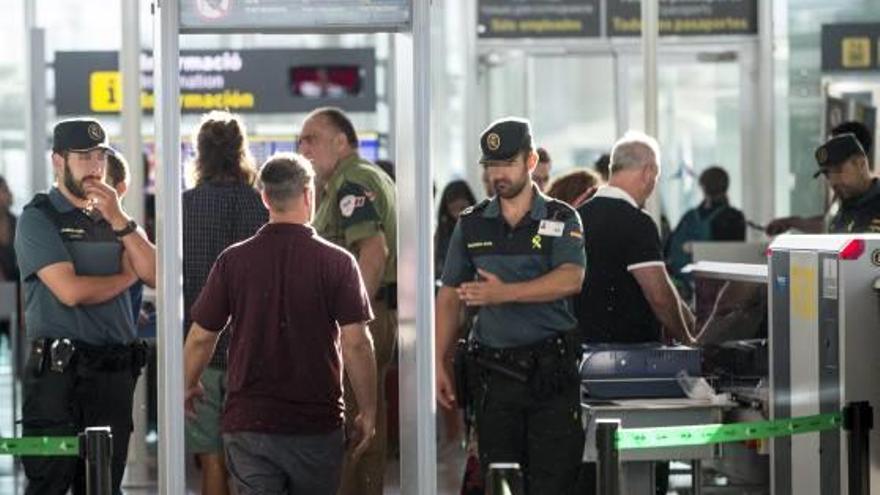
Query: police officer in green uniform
(517,258)
(843,162)
(357,211)
(79,252)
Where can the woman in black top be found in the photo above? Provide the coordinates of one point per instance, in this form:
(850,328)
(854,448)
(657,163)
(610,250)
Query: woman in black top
(8,265)
(456,197)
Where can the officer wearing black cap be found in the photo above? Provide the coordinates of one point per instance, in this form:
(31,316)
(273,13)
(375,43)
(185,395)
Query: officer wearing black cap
(78,253)
(843,162)
(517,258)
(817,224)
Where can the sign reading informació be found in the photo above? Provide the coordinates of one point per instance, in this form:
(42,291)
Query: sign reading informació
(538,18)
(300,16)
(685,17)
(244,81)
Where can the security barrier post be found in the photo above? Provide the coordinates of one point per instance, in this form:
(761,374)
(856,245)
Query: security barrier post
(505,479)
(608,461)
(97,445)
(858,420)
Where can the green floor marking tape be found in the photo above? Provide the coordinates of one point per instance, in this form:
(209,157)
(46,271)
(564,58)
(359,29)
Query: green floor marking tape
(40,446)
(688,436)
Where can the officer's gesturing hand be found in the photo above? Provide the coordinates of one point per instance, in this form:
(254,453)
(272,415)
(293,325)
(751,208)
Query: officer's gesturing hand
(490,290)
(106,201)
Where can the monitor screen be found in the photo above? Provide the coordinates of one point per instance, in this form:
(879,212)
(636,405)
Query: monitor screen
(326,81)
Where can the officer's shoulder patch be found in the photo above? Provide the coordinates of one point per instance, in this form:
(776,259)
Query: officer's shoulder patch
(475,208)
(355,202)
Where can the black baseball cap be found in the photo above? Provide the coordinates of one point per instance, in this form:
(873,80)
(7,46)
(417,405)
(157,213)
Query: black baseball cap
(79,135)
(837,150)
(505,138)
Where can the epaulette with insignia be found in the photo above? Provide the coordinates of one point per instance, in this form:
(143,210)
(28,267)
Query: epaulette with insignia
(476,208)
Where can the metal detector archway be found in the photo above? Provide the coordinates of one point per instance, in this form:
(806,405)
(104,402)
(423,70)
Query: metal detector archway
(411,130)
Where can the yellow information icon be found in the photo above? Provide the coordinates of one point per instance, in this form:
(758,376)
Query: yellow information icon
(856,53)
(105,91)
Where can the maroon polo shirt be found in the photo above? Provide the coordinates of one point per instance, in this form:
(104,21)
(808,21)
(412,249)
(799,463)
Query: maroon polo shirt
(287,292)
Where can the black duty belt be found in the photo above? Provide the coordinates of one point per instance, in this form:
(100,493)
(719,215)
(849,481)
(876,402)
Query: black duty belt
(58,354)
(518,362)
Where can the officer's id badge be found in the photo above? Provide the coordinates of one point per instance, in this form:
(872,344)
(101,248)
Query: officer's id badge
(349,203)
(551,228)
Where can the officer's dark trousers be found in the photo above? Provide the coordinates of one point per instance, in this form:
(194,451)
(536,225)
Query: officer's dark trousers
(544,436)
(63,404)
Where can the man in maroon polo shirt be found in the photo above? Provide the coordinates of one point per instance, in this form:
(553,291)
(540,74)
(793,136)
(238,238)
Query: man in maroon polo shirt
(299,310)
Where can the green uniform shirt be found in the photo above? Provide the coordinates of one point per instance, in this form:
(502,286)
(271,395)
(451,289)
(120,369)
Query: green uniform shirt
(548,237)
(358,203)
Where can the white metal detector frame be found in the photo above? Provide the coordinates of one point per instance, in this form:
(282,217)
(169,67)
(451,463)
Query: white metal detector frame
(412,155)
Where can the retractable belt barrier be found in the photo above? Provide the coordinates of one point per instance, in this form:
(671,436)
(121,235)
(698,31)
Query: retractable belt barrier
(95,446)
(689,436)
(40,446)
(856,419)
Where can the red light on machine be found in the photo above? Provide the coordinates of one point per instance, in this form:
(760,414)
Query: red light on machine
(853,250)
(769,252)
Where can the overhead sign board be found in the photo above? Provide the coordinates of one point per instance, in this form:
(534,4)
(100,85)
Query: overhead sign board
(300,16)
(850,47)
(685,17)
(243,81)
(538,18)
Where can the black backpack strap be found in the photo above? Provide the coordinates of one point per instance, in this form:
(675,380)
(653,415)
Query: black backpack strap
(42,202)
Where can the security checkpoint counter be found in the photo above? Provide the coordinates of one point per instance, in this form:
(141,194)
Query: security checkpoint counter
(637,466)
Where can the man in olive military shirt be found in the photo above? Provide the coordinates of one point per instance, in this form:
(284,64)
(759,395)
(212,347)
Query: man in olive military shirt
(357,211)
(517,258)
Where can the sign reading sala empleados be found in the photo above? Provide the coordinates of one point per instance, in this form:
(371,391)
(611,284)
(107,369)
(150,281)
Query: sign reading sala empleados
(686,17)
(538,18)
(243,81)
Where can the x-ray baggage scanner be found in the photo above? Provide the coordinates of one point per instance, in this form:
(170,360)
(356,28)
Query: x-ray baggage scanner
(824,353)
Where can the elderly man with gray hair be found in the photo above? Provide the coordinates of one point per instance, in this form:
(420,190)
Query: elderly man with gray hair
(300,309)
(627,296)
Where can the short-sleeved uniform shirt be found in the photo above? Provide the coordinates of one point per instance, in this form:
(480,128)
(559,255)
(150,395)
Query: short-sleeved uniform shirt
(94,251)
(858,215)
(359,202)
(618,237)
(285,292)
(548,237)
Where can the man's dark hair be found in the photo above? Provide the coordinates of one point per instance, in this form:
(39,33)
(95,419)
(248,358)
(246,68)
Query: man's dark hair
(284,177)
(340,121)
(117,168)
(603,166)
(543,156)
(861,132)
(387,166)
(714,181)
(222,152)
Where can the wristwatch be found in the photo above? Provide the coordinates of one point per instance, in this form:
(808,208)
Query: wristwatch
(130,227)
